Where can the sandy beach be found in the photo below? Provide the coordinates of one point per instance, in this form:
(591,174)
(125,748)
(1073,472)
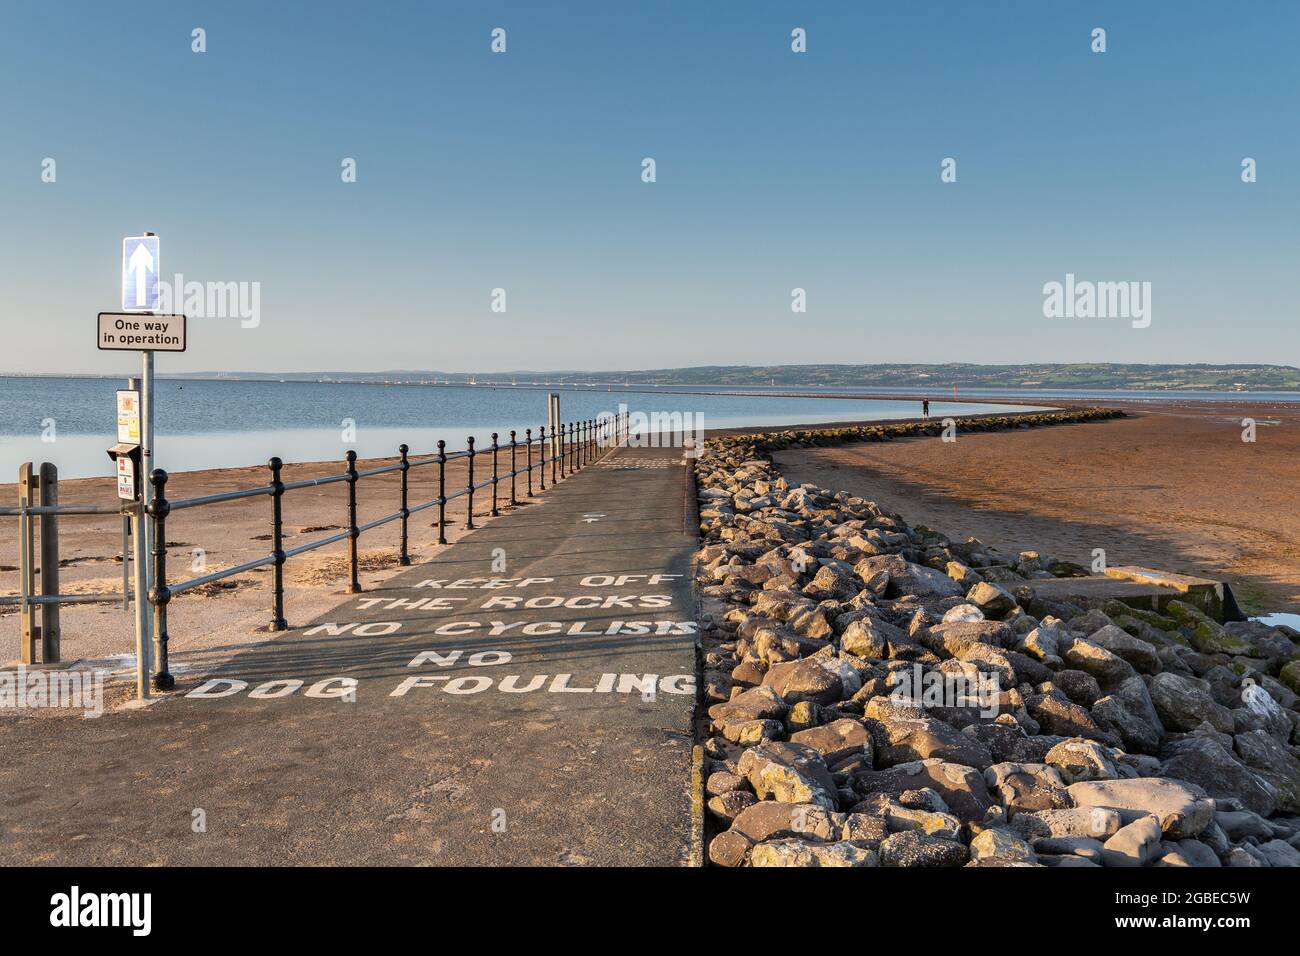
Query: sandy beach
(1172,486)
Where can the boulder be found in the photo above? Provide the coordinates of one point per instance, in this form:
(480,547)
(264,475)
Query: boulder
(1183,704)
(790,773)
(1109,668)
(962,788)
(992,599)
(1027,786)
(995,844)
(913,849)
(1181,811)
(758,703)
(793,852)
(837,740)
(907,739)
(807,679)
(906,578)
(1141,654)
(1133,844)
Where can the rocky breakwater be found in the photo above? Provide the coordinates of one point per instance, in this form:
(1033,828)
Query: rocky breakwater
(879,695)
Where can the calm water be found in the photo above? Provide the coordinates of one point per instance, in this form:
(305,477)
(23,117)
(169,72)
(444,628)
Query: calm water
(208,424)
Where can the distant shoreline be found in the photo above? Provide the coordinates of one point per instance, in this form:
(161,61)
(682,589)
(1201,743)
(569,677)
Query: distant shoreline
(976,393)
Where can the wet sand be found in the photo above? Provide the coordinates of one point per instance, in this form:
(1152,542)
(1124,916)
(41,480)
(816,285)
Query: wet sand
(1173,487)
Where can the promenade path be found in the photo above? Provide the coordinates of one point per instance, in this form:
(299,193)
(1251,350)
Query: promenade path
(524,698)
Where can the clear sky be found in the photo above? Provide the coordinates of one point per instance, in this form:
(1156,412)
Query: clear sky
(775,170)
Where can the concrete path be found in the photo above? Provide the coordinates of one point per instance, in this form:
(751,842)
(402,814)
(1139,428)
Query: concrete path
(523,699)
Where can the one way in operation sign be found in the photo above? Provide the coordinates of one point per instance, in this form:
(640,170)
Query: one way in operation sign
(140,266)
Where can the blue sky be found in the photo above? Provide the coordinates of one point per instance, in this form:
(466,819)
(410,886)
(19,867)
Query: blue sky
(775,170)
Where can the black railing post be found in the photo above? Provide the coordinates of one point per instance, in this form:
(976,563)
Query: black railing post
(278,622)
(555,440)
(513,501)
(560,450)
(353,533)
(469,487)
(160,594)
(403,554)
(442,492)
(573,438)
(528,443)
(494,475)
(541,457)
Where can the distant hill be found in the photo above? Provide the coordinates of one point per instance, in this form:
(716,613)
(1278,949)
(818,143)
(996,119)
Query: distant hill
(1082,375)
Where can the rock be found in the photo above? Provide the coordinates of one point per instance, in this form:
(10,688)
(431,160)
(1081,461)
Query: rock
(1289,675)
(837,740)
(749,732)
(992,599)
(802,716)
(1207,635)
(831,583)
(729,848)
(899,818)
(1183,703)
(1080,686)
(1086,847)
(1279,853)
(1098,823)
(962,612)
(758,703)
(1275,763)
(1084,655)
(952,638)
(1269,642)
(1043,643)
(1141,654)
(1241,825)
(728,806)
(789,773)
(1056,714)
(906,578)
(1115,715)
(1027,786)
(792,852)
(1180,810)
(807,679)
(911,848)
(1079,760)
(1187,853)
(962,574)
(1208,764)
(1240,856)
(771,819)
(1134,844)
(999,844)
(962,788)
(903,740)
(721,782)
(869,638)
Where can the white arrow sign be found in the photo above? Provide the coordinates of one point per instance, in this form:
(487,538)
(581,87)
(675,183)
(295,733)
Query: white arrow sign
(140,264)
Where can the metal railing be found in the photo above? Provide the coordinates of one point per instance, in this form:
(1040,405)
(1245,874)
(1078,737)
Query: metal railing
(576,445)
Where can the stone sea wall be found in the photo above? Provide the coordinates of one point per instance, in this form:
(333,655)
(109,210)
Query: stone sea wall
(878,694)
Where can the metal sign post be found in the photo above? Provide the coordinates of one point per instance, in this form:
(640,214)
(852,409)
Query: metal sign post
(138,327)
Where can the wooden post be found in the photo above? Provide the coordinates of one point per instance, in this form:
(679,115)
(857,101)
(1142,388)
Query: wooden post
(28,630)
(49,489)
